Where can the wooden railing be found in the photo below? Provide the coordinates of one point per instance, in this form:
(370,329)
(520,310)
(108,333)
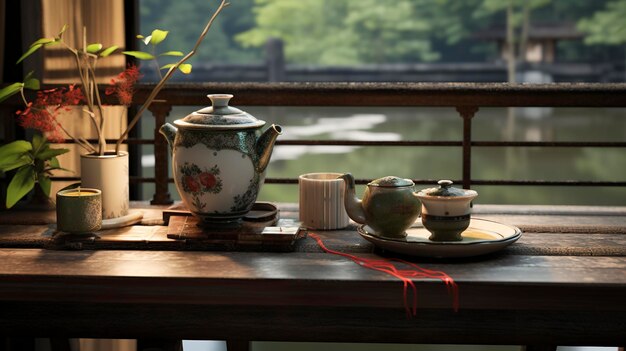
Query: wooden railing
(467,98)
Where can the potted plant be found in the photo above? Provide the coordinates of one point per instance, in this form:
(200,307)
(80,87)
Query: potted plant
(32,162)
(102,167)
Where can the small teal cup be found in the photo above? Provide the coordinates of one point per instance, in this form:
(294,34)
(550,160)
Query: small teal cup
(79,210)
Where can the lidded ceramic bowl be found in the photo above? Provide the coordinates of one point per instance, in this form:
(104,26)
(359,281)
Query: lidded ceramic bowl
(446,210)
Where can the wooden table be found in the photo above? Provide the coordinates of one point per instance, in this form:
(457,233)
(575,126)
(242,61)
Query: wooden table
(562,283)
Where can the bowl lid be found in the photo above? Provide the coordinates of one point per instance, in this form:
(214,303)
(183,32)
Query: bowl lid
(220,116)
(391,182)
(447,190)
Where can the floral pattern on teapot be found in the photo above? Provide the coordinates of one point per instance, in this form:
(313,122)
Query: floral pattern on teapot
(197,182)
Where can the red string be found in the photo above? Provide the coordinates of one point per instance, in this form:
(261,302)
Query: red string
(405,275)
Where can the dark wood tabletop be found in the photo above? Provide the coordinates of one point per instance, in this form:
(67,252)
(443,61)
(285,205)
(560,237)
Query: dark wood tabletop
(562,283)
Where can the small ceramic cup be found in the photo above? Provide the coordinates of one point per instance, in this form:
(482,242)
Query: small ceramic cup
(446,211)
(322,201)
(79,210)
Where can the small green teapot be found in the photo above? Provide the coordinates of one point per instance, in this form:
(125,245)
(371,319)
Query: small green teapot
(389,206)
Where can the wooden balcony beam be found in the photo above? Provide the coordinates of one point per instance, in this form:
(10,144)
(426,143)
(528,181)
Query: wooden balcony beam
(398,94)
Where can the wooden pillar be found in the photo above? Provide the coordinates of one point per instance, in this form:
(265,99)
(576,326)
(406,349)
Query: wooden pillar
(467,113)
(275,60)
(161,151)
(237,345)
(539,348)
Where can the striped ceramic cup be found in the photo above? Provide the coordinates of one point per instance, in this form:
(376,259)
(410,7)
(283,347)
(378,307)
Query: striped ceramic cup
(321,201)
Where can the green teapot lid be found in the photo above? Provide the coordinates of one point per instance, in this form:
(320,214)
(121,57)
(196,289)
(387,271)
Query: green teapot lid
(220,116)
(446,189)
(391,182)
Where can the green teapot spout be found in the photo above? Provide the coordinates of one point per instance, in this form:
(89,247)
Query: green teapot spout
(265,144)
(169,132)
(354,205)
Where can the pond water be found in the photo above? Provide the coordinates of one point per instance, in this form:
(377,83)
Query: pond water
(489,124)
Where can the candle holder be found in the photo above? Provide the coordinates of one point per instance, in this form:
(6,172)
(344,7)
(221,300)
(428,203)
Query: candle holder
(79,211)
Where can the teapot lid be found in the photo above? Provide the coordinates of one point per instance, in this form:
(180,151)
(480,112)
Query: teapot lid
(391,182)
(447,190)
(219,115)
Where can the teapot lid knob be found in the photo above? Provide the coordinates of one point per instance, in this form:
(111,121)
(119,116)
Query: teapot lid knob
(219,100)
(445,183)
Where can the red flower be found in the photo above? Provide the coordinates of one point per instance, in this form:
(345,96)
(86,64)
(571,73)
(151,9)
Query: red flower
(207,180)
(191,184)
(42,114)
(124,85)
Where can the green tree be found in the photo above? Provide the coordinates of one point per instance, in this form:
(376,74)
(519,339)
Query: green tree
(606,26)
(345,32)
(184,18)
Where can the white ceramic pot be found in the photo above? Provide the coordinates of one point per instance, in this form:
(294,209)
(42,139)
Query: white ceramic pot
(219,159)
(109,173)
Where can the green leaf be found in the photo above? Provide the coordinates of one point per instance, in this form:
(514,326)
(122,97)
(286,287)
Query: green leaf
(93,48)
(108,51)
(172,53)
(139,54)
(54,163)
(20,185)
(11,152)
(71,186)
(43,41)
(18,162)
(32,83)
(158,36)
(59,169)
(39,143)
(65,27)
(44,183)
(29,75)
(168,66)
(185,68)
(50,153)
(32,49)
(139,36)
(10,90)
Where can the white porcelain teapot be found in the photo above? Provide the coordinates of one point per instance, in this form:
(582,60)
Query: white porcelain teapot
(219,157)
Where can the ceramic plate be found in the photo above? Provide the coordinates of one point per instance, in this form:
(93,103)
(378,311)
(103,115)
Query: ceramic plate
(481,237)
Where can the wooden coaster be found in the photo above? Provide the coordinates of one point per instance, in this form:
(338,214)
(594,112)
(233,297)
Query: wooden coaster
(260,230)
(265,212)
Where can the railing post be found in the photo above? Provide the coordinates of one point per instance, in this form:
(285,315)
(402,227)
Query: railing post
(467,113)
(275,60)
(161,196)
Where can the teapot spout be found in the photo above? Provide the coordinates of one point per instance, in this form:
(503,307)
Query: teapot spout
(354,206)
(169,132)
(265,144)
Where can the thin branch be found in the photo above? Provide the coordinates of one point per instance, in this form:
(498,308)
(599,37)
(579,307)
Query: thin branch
(80,141)
(81,75)
(100,132)
(101,140)
(169,73)
(87,82)
(83,140)
(156,62)
(23,96)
